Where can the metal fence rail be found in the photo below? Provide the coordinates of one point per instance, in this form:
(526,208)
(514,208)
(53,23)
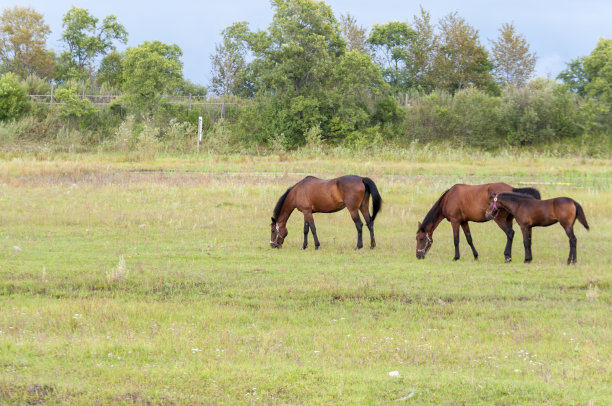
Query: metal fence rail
(106,99)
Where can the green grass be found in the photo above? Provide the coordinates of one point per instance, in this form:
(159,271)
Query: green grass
(153,282)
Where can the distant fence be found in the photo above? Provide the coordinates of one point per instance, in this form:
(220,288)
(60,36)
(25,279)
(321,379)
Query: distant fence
(106,99)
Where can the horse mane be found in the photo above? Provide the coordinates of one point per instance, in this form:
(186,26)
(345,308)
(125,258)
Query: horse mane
(516,196)
(433,212)
(279,204)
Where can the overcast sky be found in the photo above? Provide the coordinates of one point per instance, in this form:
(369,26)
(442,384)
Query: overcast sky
(557,31)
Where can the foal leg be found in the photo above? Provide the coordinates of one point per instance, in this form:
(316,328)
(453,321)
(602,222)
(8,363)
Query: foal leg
(455,225)
(468,237)
(569,230)
(359,226)
(309,219)
(369,222)
(506,226)
(527,242)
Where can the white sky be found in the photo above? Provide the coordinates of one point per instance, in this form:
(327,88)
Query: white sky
(557,31)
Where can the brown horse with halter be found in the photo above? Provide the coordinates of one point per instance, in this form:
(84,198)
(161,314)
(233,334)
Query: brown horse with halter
(313,195)
(463,203)
(530,212)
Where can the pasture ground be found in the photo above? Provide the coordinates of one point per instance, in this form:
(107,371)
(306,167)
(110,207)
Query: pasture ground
(153,283)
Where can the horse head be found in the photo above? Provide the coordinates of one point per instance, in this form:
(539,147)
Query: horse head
(424,241)
(493,207)
(278,234)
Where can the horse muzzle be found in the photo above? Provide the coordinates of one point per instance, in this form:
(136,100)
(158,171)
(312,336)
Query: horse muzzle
(275,244)
(490,215)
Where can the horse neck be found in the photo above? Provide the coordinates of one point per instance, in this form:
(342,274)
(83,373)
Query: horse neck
(511,204)
(431,227)
(439,216)
(286,210)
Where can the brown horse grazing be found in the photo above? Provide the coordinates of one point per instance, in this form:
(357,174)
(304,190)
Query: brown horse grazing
(530,212)
(313,195)
(463,203)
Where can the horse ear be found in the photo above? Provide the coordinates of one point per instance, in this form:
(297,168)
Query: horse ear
(273,219)
(420,225)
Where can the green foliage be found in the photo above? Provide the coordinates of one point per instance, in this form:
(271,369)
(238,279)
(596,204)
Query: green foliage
(36,85)
(86,40)
(477,119)
(110,71)
(150,70)
(194,89)
(392,45)
(302,75)
(13,97)
(512,62)
(537,113)
(460,61)
(23,38)
(73,108)
(575,76)
(598,70)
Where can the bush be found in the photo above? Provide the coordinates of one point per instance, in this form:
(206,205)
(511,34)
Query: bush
(539,112)
(13,97)
(476,118)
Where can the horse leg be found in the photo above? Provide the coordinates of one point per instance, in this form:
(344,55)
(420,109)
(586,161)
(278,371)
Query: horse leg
(309,219)
(506,226)
(527,242)
(359,226)
(455,226)
(569,230)
(468,237)
(306,227)
(369,222)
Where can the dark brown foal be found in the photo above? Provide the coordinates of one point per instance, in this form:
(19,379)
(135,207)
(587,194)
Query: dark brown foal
(530,212)
(313,195)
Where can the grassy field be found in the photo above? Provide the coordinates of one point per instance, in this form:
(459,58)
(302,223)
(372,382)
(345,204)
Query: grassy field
(153,283)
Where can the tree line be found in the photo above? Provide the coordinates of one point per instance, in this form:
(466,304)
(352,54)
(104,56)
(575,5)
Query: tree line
(310,77)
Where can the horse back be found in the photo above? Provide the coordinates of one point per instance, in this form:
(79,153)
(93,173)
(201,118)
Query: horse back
(320,195)
(469,202)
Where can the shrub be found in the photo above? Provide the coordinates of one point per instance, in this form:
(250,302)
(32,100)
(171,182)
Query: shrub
(476,118)
(13,97)
(536,113)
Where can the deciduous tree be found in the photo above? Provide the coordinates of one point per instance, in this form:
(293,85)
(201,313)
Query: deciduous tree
(150,70)
(353,33)
(229,59)
(392,48)
(23,37)
(86,39)
(461,61)
(512,62)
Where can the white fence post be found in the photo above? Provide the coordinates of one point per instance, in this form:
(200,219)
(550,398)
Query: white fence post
(199,132)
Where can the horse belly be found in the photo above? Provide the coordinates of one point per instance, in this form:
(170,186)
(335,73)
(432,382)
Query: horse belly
(328,206)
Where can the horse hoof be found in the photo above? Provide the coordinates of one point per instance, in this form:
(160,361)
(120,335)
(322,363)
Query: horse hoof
(527,261)
(316,247)
(475,257)
(508,260)
(373,246)
(303,248)
(456,259)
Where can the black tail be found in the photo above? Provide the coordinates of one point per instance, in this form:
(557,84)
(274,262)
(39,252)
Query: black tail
(528,191)
(376,199)
(580,215)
